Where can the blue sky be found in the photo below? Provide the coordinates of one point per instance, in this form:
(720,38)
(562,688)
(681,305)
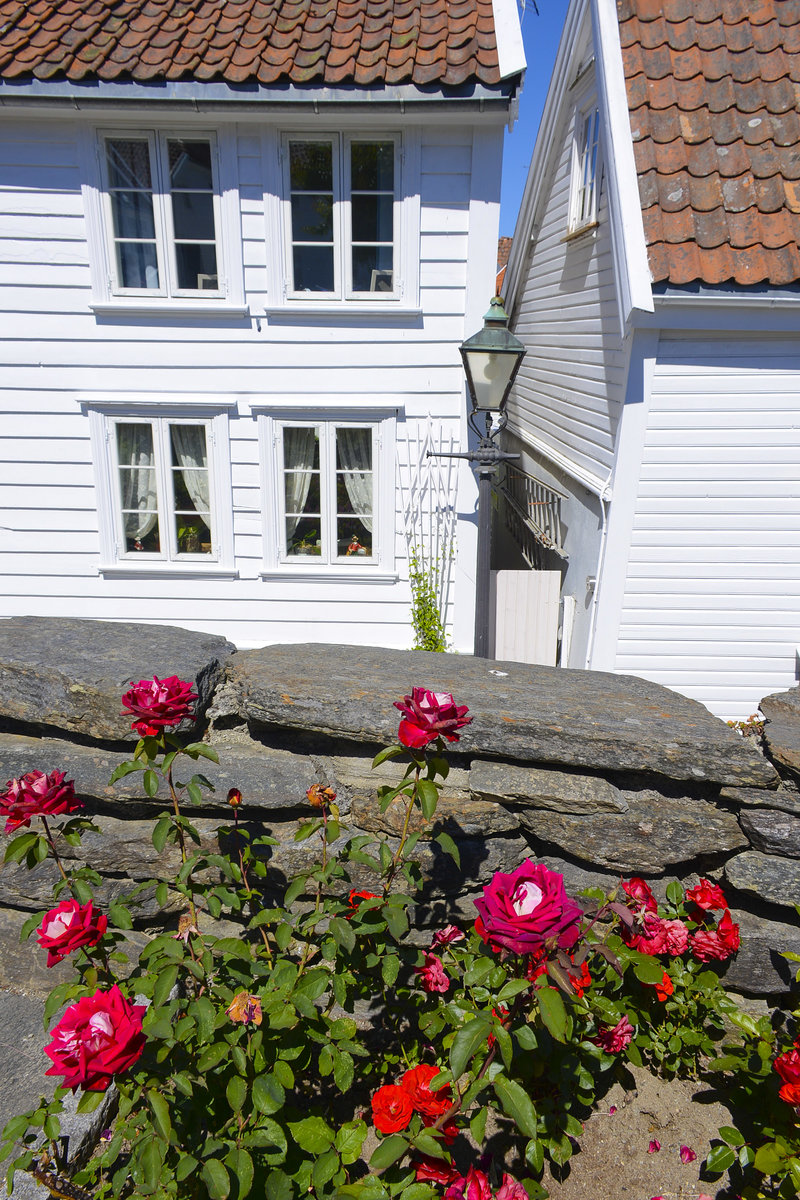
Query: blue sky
(541,34)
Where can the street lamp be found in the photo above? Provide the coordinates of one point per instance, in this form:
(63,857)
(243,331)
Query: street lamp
(491,360)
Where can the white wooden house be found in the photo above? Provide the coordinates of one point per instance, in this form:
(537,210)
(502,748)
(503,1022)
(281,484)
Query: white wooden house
(654,279)
(240,243)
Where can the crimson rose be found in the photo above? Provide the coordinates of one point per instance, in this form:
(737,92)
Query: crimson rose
(524,910)
(37,795)
(707,895)
(392,1108)
(417,1082)
(428,716)
(69,927)
(158,704)
(640,893)
(717,944)
(97,1038)
(788,1067)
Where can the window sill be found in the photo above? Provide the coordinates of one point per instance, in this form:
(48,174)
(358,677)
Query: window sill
(573,234)
(342,310)
(330,575)
(171,308)
(173,570)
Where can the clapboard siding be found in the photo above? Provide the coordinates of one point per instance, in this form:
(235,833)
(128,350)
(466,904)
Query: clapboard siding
(569,388)
(57,353)
(712,591)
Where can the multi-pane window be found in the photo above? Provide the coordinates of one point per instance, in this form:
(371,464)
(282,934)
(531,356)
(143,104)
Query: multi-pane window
(162,210)
(342,216)
(327,495)
(163,490)
(586,176)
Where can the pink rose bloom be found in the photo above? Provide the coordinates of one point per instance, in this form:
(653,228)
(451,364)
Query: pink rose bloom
(428,716)
(97,1038)
(639,892)
(69,927)
(707,895)
(157,704)
(37,795)
(510,1190)
(526,909)
(443,937)
(676,937)
(717,944)
(687,1154)
(473,1186)
(616,1039)
(652,939)
(431,975)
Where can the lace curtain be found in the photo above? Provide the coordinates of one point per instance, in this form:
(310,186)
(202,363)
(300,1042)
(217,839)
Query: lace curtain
(137,480)
(355,455)
(299,445)
(190,448)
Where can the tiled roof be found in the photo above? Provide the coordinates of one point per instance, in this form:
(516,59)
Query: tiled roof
(328,42)
(713,91)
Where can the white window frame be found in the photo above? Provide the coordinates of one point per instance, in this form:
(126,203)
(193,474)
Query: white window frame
(584,195)
(404,297)
(380,566)
(107,296)
(160,413)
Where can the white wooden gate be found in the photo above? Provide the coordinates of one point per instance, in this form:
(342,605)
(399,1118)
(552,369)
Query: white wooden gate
(524,615)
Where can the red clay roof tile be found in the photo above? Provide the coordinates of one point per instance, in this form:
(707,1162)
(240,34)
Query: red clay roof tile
(331,41)
(713,94)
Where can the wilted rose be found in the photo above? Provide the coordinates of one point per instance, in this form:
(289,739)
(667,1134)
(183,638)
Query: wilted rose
(447,935)
(616,1039)
(431,975)
(428,716)
(96,1039)
(320,796)
(69,927)
(245,1009)
(527,908)
(37,795)
(157,704)
(417,1083)
(676,937)
(717,944)
(653,936)
(707,895)
(392,1108)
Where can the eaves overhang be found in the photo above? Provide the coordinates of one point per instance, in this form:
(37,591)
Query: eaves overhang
(217,95)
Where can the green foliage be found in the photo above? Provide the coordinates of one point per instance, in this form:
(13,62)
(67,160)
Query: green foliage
(256,1076)
(426,615)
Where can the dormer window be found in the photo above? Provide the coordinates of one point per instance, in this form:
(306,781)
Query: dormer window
(586,170)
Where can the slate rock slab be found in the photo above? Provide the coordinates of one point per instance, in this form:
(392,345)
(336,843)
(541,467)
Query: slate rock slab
(782,728)
(534,787)
(654,831)
(772,831)
(267,778)
(757,968)
(782,798)
(69,674)
(528,713)
(458,817)
(768,876)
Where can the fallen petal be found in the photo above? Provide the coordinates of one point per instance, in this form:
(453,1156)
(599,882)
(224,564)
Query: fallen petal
(654,1147)
(687,1154)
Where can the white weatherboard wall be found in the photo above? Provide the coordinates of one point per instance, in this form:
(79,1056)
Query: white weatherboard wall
(56,351)
(711,605)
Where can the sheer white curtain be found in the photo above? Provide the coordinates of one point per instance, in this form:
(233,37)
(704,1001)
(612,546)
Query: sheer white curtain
(355,455)
(190,447)
(299,445)
(137,479)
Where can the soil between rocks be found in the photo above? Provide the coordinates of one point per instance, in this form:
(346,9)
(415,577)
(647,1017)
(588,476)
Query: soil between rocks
(613,1162)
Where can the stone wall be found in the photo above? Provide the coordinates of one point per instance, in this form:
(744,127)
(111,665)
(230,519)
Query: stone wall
(599,775)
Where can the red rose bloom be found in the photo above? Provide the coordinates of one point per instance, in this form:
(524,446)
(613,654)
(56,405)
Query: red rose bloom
(707,895)
(676,937)
(417,1083)
(788,1067)
(717,944)
(665,988)
(392,1108)
(158,704)
(69,927)
(472,1186)
(434,1170)
(37,795)
(653,936)
(640,893)
(431,975)
(616,1039)
(526,909)
(428,716)
(97,1038)
(581,982)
